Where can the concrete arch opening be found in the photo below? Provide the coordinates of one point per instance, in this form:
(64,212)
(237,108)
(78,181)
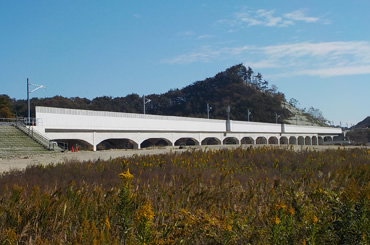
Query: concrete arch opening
(231,141)
(284,140)
(307,140)
(292,140)
(186,141)
(328,140)
(338,138)
(69,143)
(117,144)
(314,140)
(155,142)
(247,141)
(321,141)
(273,140)
(261,141)
(211,141)
(300,140)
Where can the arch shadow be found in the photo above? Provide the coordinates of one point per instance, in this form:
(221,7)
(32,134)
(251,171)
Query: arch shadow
(247,141)
(321,140)
(307,140)
(328,140)
(186,141)
(273,140)
(231,141)
(155,142)
(300,140)
(292,140)
(69,143)
(314,140)
(284,141)
(261,141)
(211,141)
(117,144)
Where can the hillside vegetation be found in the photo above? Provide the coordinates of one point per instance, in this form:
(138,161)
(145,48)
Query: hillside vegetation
(238,87)
(360,134)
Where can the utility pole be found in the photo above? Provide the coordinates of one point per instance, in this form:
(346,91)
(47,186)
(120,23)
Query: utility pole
(145,101)
(228,126)
(276,117)
(208,110)
(28,98)
(28,102)
(249,113)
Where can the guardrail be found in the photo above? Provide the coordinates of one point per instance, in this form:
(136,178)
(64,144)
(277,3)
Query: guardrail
(18,120)
(9,121)
(37,136)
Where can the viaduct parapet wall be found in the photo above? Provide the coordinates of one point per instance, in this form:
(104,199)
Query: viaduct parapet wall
(97,126)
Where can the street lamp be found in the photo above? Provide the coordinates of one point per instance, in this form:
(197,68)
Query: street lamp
(28,98)
(209,108)
(249,113)
(228,126)
(276,117)
(145,101)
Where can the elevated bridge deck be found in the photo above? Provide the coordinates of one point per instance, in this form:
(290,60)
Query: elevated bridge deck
(95,127)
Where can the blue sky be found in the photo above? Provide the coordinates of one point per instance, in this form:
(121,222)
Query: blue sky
(317,52)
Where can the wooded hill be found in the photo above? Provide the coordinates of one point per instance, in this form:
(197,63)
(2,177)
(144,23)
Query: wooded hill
(364,124)
(238,87)
(360,134)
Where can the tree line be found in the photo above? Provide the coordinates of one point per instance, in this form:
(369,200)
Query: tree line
(238,87)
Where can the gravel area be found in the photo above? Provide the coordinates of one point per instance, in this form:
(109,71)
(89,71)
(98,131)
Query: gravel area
(9,162)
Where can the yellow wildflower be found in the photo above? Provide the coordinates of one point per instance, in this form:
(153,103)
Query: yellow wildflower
(227,227)
(315,219)
(291,211)
(107,224)
(145,212)
(126,175)
(281,206)
(276,220)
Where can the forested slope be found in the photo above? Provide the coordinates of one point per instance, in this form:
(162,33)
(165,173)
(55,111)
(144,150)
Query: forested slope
(238,87)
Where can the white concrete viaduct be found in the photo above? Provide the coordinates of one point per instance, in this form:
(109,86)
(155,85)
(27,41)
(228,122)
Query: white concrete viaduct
(95,127)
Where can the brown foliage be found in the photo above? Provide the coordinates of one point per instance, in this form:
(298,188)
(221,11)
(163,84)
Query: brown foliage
(255,195)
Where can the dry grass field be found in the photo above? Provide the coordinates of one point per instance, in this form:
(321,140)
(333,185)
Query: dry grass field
(255,195)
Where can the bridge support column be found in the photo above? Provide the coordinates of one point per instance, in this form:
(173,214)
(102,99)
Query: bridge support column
(94,145)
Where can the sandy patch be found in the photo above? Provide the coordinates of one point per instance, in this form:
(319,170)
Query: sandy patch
(21,162)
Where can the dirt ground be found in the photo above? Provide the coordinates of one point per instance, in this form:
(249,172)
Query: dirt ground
(20,162)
